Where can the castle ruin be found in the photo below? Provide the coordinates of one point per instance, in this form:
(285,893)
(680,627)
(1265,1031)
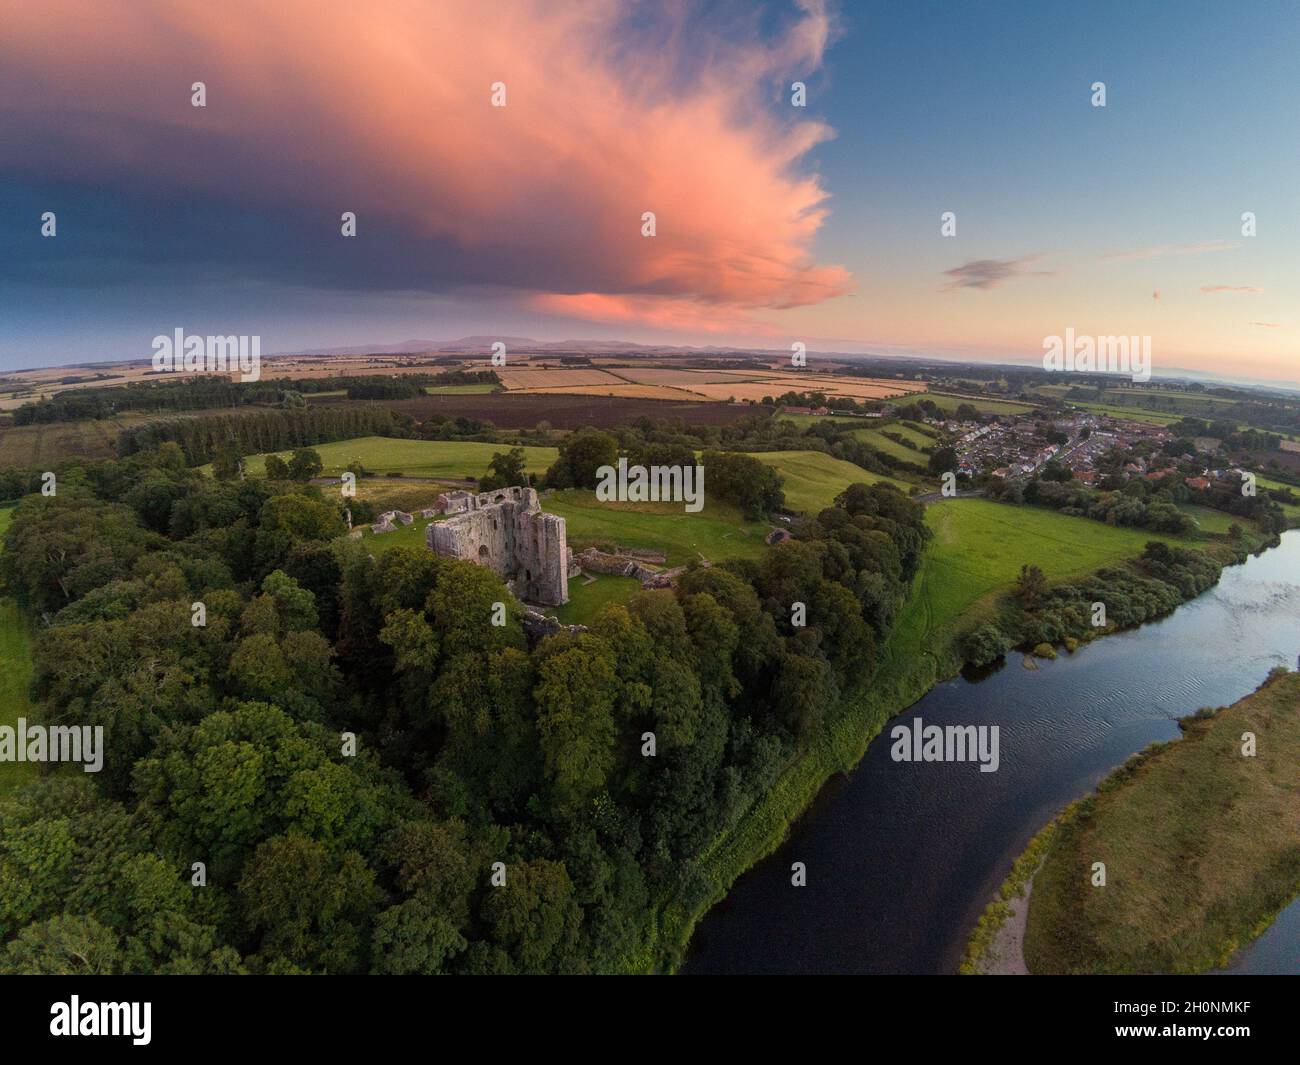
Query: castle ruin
(507,531)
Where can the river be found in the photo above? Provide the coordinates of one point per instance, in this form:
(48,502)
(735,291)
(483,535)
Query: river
(902,858)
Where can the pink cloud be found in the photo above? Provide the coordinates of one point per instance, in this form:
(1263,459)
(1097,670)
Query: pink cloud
(385,109)
(1215,290)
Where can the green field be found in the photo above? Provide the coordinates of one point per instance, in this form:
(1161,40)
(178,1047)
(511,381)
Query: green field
(949,401)
(717,532)
(1201,847)
(1210,521)
(588,600)
(813,480)
(403,536)
(979,547)
(462,390)
(15,674)
(1292,510)
(451,459)
(803,421)
(1132,414)
(876,438)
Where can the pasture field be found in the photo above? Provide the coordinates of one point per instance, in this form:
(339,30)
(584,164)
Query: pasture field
(1199,845)
(813,480)
(15,674)
(1210,521)
(451,459)
(878,440)
(979,547)
(480,389)
(950,401)
(805,420)
(1133,414)
(717,532)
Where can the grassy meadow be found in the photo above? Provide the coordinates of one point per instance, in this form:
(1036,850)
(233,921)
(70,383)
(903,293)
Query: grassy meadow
(451,459)
(1201,846)
(718,532)
(950,401)
(813,480)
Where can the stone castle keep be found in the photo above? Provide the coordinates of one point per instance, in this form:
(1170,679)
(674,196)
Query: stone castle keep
(507,531)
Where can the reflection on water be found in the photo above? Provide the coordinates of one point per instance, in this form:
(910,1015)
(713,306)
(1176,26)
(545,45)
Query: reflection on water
(902,858)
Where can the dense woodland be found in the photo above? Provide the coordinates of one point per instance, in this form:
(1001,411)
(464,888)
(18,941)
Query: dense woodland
(225,742)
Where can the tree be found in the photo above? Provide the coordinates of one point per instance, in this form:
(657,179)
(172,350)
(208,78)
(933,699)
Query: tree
(1031,586)
(574,697)
(276,468)
(581,454)
(228,462)
(944,460)
(505,469)
(305,464)
(309,910)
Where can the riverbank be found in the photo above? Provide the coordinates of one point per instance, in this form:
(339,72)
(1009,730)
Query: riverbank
(968,569)
(1200,843)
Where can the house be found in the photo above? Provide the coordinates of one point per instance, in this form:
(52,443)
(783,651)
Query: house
(1197,484)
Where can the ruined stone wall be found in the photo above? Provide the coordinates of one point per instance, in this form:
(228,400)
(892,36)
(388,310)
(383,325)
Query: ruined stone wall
(507,531)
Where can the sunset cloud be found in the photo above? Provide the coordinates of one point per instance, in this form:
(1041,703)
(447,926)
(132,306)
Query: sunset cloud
(1215,290)
(385,110)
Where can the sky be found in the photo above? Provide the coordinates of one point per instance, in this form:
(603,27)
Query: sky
(773,223)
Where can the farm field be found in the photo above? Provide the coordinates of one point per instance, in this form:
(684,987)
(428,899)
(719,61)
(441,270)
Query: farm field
(620,389)
(813,480)
(949,401)
(875,436)
(666,382)
(37,445)
(548,377)
(1200,842)
(484,388)
(1134,414)
(15,674)
(805,420)
(562,410)
(452,459)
